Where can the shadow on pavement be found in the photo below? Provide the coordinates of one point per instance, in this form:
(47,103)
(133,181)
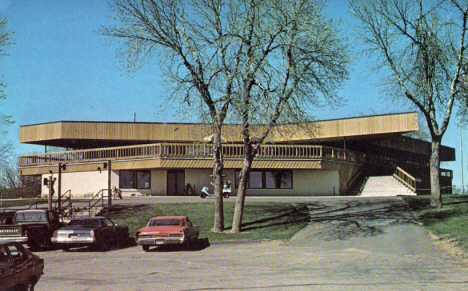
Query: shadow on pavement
(196,245)
(341,219)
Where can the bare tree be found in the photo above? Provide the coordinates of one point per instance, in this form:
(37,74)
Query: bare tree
(5,40)
(195,45)
(422,45)
(294,58)
(8,172)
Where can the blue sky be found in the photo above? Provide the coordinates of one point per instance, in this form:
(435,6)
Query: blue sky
(61,69)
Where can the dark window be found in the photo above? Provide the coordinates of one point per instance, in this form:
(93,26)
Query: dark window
(267,179)
(135,179)
(256,180)
(278,179)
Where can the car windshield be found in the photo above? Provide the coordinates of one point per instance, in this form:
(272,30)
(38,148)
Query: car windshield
(84,222)
(31,216)
(165,221)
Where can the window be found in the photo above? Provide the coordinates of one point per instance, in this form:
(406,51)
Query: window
(278,180)
(135,179)
(267,179)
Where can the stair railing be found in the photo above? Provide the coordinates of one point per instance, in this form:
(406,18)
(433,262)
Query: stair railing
(67,202)
(405,178)
(99,197)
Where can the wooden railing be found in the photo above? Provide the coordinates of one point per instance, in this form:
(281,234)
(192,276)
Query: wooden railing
(201,150)
(405,178)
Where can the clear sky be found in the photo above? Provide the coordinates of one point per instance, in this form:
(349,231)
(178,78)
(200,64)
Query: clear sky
(61,69)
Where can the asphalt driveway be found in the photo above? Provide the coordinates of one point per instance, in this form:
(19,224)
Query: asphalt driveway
(350,244)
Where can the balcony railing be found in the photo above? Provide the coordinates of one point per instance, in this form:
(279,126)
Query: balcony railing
(162,150)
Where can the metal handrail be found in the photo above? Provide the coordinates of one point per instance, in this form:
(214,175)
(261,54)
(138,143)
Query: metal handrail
(67,199)
(100,193)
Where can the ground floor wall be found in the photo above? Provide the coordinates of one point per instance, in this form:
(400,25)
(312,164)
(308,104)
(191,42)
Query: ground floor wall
(191,181)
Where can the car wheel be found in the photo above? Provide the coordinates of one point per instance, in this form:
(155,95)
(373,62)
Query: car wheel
(103,246)
(145,248)
(226,195)
(34,245)
(65,249)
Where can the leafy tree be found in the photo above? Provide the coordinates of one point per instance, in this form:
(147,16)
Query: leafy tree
(293,56)
(421,45)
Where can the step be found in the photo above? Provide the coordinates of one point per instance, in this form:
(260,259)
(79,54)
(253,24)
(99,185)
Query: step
(384,186)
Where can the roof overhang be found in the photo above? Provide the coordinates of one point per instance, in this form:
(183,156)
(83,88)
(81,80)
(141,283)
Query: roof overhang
(85,135)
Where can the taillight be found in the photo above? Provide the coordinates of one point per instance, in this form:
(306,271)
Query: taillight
(92,233)
(55,233)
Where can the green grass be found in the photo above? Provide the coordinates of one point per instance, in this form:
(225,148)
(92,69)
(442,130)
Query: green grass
(261,221)
(20,202)
(23,192)
(449,222)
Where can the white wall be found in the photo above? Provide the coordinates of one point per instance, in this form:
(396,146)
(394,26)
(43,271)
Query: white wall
(82,183)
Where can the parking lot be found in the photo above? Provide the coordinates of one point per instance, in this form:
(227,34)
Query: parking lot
(351,244)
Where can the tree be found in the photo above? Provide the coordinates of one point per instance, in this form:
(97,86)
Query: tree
(8,172)
(421,45)
(196,52)
(293,57)
(5,40)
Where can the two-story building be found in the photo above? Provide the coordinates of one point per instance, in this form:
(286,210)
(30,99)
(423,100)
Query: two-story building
(328,157)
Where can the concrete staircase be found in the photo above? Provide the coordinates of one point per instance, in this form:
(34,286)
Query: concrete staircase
(384,186)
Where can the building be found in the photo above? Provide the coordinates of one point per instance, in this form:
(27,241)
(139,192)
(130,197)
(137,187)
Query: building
(330,157)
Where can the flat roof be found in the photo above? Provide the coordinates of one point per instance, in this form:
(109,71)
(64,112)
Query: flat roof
(98,134)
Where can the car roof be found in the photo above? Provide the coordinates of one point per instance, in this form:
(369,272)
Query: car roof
(169,217)
(5,241)
(90,218)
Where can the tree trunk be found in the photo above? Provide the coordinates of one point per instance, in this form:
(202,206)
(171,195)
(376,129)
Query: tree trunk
(434,164)
(218,180)
(241,191)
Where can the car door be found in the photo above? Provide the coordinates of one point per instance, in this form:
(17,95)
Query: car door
(192,229)
(110,229)
(23,264)
(7,270)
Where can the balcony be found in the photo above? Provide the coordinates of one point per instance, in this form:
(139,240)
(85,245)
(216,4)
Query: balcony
(189,151)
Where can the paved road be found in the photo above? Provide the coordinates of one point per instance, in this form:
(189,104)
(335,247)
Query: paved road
(350,244)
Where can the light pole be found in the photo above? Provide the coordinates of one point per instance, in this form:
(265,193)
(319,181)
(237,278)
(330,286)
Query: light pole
(461,156)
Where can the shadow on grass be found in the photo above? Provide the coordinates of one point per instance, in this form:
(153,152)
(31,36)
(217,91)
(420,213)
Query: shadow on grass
(296,215)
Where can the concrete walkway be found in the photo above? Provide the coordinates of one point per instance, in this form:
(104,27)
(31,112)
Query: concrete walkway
(375,244)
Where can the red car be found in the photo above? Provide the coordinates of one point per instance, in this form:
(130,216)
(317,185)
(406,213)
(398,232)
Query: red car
(164,230)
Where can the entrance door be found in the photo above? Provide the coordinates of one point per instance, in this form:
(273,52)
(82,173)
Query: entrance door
(176,182)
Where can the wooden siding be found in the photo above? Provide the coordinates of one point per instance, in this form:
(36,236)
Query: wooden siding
(183,156)
(90,134)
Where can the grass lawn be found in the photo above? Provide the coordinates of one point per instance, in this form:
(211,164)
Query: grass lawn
(20,202)
(261,221)
(449,222)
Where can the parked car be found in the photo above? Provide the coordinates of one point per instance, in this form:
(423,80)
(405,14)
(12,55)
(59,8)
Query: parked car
(96,232)
(164,230)
(19,268)
(32,227)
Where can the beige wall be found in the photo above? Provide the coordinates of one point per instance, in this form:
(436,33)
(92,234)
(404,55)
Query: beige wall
(305,182)
(82,183)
